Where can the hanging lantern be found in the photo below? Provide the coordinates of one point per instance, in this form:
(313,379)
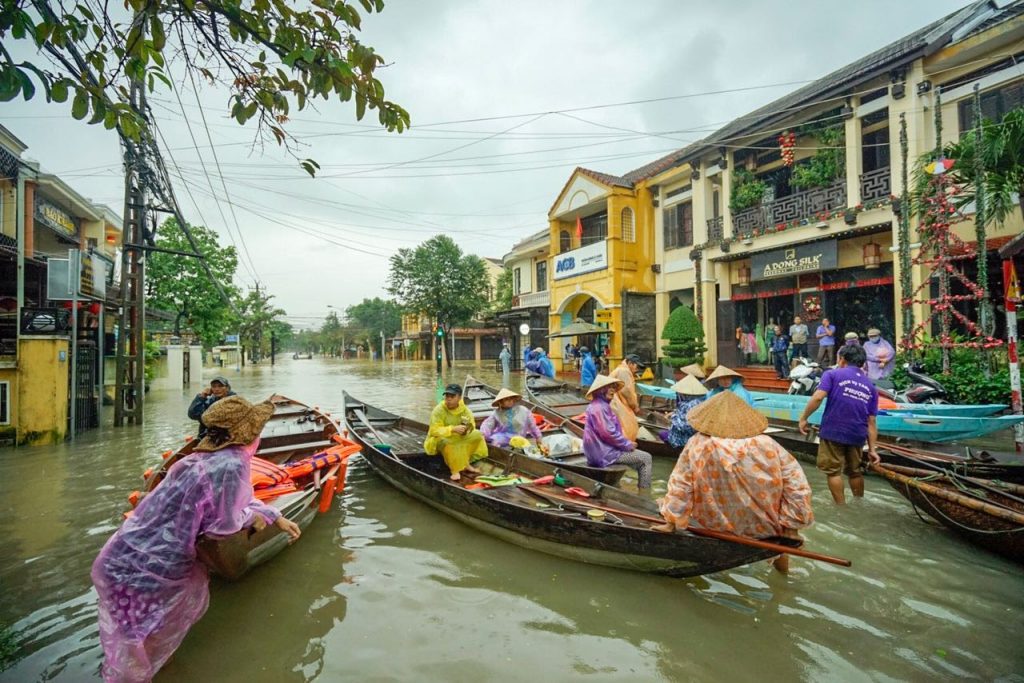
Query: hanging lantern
(744,276)
(872,255)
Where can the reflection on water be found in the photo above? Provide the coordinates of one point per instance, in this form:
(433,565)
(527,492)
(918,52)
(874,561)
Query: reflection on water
(386,588)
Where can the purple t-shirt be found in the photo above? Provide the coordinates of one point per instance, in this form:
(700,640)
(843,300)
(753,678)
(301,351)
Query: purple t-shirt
(852,398)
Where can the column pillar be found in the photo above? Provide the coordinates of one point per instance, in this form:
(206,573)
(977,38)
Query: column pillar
(726,194)
(854,155)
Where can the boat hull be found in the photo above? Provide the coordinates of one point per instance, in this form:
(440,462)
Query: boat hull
(570,536)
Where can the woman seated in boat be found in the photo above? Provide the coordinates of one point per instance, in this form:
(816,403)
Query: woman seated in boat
(724,379)
(733,477)
(690,393)
(534,365)
(453,434)
(151,586)
(508,420)
(603,441)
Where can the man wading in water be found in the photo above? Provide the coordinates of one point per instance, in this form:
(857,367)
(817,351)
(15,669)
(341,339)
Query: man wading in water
(847,423)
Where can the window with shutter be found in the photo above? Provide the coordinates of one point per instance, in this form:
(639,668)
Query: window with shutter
(628,227)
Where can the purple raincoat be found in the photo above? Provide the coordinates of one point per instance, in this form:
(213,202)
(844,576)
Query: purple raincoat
(151,586)
(603,441)
(877,351)
(502,425)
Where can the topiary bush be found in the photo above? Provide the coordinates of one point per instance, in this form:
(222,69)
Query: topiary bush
(685,339)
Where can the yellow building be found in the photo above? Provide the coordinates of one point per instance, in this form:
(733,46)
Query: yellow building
(601,264)
(748,237)
(41,219)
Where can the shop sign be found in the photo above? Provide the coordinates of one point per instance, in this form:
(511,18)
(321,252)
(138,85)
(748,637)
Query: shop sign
(95,269)
(82,274)
(56,219)
(800,258)
(583,260)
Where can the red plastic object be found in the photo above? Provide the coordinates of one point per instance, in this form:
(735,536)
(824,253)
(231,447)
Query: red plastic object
(543,481)
(577,491)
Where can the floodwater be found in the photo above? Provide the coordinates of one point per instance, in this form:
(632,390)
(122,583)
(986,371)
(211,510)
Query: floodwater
(385,588)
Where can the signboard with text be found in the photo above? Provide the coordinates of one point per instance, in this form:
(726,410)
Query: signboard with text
(800,258)
(583,260)
(56,219)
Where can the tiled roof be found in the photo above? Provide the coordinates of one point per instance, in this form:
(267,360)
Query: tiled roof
(605,178)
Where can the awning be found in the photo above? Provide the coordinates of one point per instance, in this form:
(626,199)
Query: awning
(579,327)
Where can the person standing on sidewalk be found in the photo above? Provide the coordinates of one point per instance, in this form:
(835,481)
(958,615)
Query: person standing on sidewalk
(826,335)
(798,335)
(780,355)
(847,423)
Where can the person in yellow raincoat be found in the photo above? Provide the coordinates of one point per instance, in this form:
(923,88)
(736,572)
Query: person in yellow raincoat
(454,435)
(626,404)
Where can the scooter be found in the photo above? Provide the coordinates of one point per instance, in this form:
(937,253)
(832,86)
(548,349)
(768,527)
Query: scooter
(922,389)
(805,378)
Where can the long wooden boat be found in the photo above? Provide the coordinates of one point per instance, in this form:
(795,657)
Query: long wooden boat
(293,434)
(570,400)
(984,514)
(790,400)
(478,398)
(530,517)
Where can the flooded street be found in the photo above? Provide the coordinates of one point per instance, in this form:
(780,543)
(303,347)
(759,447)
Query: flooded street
(386,588)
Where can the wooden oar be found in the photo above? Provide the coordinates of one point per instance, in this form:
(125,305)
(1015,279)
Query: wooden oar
(1004,489)
(952,496)
(720,535)
(366,423)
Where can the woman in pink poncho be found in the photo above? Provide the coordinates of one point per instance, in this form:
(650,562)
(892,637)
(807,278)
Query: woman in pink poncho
(151,586)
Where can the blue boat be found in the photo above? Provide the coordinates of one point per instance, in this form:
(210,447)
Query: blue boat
(785,400)
(917,426)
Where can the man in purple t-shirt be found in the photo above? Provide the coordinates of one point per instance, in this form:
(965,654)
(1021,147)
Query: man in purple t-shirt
(847,424)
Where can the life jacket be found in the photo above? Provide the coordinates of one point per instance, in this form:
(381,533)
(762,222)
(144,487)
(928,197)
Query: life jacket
(270,492)
(301,468)
(265,474)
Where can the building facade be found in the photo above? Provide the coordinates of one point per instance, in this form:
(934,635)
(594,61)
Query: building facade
(52,350)
(531,295)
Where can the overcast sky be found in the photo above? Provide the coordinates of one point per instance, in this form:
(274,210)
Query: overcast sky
(488,151)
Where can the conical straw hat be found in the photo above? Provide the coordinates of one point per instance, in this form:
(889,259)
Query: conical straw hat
(695,370)
(690,386)
(601,382)
(727,416)
(722,371)
(240,420)
(502,395)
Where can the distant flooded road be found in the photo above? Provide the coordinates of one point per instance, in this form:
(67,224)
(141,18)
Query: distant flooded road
(385,588)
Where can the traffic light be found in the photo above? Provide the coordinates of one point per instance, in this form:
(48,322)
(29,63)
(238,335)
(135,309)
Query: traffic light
(440,332)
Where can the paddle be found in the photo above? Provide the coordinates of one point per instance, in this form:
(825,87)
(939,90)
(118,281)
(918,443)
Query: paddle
(366,423)
(720,535)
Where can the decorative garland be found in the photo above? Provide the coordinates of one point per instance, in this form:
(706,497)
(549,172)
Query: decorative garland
(787,147)
(812,307)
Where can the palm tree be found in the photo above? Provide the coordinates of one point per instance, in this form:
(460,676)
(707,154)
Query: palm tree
(1002,182)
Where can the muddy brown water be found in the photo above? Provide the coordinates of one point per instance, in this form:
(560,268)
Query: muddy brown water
(385,588)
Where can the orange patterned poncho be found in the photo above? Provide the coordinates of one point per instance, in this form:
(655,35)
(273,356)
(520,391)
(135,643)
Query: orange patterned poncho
(750,487)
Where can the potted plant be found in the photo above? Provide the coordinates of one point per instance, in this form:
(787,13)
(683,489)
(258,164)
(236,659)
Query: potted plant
(685,338)
(747,190)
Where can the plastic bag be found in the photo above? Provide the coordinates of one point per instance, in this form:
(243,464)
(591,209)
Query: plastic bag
(558,444)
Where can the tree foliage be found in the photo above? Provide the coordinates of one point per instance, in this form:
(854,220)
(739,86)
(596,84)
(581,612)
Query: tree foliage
(257,317)
(438,280)
(504,291)
(178,284)
(685,337)
(1003,162)
(270,54)
(374,316)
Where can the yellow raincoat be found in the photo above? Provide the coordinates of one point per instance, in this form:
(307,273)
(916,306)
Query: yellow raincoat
(625,404)
(457,450)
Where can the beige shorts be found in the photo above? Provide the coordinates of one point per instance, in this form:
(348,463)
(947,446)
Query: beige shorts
(834,458)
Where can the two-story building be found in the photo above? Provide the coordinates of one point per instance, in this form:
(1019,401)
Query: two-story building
(528,263)
(790,209)
(43,336)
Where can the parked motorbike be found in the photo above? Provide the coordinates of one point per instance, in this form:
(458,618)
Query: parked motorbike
(804,378)
(922,389)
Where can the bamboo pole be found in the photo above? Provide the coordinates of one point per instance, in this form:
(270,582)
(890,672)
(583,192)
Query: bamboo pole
(952,496)
(1003,488)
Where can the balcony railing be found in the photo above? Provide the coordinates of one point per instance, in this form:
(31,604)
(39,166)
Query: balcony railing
(792,208)
(875,184)
(716,229)
(531,299)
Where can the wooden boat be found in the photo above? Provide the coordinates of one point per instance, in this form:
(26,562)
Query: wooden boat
(478,398)
(790,400)
(294,432)
(570,400)
(536,517)
(984,513)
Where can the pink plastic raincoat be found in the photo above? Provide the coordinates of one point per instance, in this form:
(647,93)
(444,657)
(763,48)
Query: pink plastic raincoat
(151,586)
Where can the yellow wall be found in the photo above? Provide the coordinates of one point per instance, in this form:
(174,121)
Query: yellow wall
(10,375)
(43,390)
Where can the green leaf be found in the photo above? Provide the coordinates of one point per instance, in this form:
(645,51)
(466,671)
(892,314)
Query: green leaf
(360,105)
(80,105)
(156,29)
(99,110)
(27,88)
(59,91)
